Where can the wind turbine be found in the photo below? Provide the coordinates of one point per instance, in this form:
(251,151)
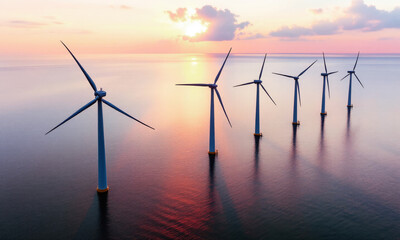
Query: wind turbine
(350,82)
(326,81)
(296,89)
(258,83)
(99,94)
(213,88)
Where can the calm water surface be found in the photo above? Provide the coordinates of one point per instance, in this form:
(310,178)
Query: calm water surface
(331,178)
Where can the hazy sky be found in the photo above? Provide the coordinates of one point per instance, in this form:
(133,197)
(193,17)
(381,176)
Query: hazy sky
(179,26)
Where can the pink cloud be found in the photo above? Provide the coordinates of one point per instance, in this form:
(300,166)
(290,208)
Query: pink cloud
(358,16)
(179,15)
(317,10)
(222,24)
(24,24)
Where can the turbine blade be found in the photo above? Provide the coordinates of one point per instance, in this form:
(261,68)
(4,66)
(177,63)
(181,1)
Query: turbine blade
(332,72)
(262,68)
(326,70)
(222,105)
(284,75)
(358,80)
(329,91)
(356,61)
(76,113)
(91,82)
(219,73)
(243,84)
(345,76)
(298,88)
(267,94)
(119,110)
(307,68)
(194,84)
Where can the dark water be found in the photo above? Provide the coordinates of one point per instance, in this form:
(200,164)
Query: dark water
(331,178)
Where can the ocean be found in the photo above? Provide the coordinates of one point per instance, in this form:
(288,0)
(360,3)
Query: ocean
(335,177)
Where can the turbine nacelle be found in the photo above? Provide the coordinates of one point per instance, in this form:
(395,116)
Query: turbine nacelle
(297,89)
(100,93)
(214,89)
(259,82)
(324,74)
(350,73)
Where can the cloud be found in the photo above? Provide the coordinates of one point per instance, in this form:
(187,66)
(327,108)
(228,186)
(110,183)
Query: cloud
(358,16)
(369,18)
(24,24)
(50,26)
(70,31)
(180,14)
(222,25)
(325,28)
(123,7)
(253,36)
(386,38)
(292,32)
(317,10)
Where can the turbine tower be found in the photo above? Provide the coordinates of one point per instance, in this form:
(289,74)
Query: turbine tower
(296,89)
(326,81)
(213,87)
(99,95)
(350,73)
(258,83)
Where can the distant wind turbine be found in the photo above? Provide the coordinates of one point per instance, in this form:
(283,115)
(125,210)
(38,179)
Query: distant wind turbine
(296,89)
(258,83)
(213,88)
(326,81)
(99,94)
(350,82)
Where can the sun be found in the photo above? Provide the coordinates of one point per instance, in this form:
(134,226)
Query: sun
(194,27)
(191,26)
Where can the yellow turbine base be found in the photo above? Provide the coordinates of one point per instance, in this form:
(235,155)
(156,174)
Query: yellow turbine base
(296,123)
(103,190)
(258,134)
(213,153)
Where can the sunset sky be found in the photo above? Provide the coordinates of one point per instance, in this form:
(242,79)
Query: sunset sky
(197,26)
